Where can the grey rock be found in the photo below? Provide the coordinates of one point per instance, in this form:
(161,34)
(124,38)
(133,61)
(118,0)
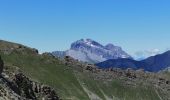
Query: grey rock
(90,51)
(1,65)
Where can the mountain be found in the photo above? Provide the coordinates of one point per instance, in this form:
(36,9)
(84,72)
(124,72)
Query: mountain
(88,50)
(153,63)
(60,54)
(119,63)
(28,75)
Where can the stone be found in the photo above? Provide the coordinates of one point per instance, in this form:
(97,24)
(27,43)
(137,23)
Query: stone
(1,65)
(29,89)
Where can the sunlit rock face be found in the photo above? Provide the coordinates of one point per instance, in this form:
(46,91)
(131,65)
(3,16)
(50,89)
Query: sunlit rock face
(88,50)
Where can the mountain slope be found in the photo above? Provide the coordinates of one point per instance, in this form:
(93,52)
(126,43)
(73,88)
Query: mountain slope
(88,50)
(158,62)
(44,69)
(153,64)
(74,80)
(119,63)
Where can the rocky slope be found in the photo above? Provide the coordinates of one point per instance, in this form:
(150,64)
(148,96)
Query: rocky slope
(108,79)
(90,51)
(14,85)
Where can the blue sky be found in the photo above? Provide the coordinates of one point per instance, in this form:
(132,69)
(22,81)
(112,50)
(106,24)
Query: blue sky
(49,25)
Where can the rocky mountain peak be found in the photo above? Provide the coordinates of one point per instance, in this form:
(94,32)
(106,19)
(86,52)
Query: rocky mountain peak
(92,42)
(112,47)
(88,50)
(85,43)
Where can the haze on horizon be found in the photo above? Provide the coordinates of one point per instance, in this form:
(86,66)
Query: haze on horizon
(136,26)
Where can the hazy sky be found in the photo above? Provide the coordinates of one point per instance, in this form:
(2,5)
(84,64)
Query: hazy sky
(49,25)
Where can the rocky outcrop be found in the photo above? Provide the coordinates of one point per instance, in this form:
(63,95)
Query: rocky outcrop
(1,65)
(33,90)
(14,85)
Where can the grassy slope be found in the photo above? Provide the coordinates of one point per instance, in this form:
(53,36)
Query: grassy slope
(49,71)
(116,89)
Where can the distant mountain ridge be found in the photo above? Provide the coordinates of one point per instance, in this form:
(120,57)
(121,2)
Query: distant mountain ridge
(152,64)
(88,50)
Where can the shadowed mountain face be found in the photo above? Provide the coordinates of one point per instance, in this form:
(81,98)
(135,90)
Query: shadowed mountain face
(153,64)
(119,63)
(158,62)
(88,50)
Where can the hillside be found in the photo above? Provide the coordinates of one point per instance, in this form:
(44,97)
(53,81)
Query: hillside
(73,80)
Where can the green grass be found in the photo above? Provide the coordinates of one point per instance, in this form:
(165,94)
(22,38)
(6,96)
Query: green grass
(118,90)
(90,84)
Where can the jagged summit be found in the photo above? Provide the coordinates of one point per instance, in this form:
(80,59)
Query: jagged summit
(85,42)
(88,50)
